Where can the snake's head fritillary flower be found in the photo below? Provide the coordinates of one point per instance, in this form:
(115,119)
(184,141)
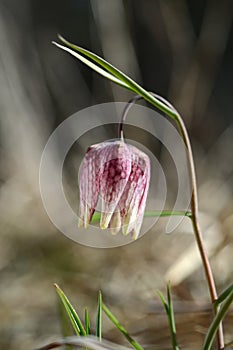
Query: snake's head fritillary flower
(118,174)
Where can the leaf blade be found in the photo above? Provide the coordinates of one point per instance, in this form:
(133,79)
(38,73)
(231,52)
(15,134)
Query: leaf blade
(99,317)
(96,68)
(129,83)
(172,318)
(210,336)
(224,295)
(154,213)
(121,328)
(74,318)
(87,322)
(168,305)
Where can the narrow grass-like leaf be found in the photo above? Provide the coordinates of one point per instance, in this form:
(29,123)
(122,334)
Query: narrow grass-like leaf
(66,326)
(93,66)
(115,321)
(74,318)
(122,79)
(166,213)
(149,214)
(210,336)
(163,300)
(99,317)
(171,318)
(168,305)
(87,322)
(224,295)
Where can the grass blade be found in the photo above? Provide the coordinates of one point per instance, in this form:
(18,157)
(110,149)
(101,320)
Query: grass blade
(168,305)
(210,336)
(99,317)
(163,300)
(115,321)
(92,65)
(224,295)
(122,79)
(87,322)
(149,214)
(171,318)
(66,326)
(74,318)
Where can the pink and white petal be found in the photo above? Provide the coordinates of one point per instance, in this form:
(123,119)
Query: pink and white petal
(116,168)
(140,215)
(142,204)
(137,227)
(130,218)
(115,222)
(89,185)
(134,198)
(131,185)
(120,174)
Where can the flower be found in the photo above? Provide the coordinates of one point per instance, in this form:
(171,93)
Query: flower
(118,174)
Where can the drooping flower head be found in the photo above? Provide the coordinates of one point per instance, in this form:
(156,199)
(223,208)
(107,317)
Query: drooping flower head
(118,174)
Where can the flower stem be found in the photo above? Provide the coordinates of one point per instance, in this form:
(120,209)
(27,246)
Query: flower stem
(197,229)
(172,112)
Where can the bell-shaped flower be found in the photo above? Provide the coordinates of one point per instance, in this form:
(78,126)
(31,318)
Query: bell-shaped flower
(118,174)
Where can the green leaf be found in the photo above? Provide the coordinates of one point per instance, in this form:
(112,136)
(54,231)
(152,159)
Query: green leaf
(92,65)
(210,336)
(168,305)
(99,317)
(148,214)
(87,322)
(120,78)
(115,321)
(74,318)
(66,326)
(166,213)
(163,300)
(67,329)
(224,295)
(171,317)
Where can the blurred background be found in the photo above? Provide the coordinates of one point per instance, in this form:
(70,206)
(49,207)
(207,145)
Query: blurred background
(180,49)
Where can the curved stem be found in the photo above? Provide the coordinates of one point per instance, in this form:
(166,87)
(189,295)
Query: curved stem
(194,200)
(197,229)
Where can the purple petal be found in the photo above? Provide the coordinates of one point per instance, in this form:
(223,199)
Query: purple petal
(115,171)
(89,184)
(115,223)
(120,174)
(133,201)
